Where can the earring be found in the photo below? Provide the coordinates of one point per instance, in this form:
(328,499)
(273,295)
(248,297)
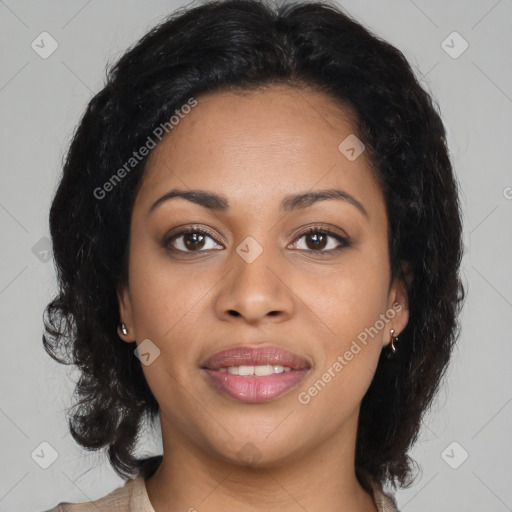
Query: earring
(123,328)
(393,339)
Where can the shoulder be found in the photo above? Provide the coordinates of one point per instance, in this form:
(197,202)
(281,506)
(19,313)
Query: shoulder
(132,496)
(120,499)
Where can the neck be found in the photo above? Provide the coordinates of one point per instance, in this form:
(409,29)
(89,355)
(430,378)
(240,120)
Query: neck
(189,478)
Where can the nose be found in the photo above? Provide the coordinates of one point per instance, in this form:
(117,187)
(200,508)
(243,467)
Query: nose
(255,291)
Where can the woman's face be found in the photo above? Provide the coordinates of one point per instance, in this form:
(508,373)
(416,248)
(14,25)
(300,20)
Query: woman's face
(308,313)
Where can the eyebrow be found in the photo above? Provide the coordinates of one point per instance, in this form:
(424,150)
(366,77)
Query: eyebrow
(290,203)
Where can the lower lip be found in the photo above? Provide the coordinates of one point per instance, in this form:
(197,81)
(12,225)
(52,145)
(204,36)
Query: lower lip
(253,389)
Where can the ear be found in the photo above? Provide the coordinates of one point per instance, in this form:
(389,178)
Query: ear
(398,301)
(126,314)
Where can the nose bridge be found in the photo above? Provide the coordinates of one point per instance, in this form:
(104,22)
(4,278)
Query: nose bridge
(255,285)
(254,260)
(251,262)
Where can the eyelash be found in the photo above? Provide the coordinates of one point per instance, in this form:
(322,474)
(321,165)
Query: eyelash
(344,241)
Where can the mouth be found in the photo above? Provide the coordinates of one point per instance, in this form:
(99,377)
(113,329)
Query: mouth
(255,374)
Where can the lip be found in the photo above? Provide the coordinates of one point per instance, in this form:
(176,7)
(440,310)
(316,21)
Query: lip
(253,356)
(255,389)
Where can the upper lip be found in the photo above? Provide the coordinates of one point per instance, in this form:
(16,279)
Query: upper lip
(253,356)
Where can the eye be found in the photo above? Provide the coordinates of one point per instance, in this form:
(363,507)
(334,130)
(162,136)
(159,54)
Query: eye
(191,239)
(194,239)
(321,240)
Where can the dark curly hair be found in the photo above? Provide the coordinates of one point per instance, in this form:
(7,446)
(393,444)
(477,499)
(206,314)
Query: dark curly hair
(242,45)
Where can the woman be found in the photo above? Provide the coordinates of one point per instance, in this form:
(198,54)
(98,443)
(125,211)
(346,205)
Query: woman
(258,240)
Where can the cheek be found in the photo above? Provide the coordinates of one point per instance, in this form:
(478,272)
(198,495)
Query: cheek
(347,305)
(350,298)
(168,301)
(163,296)
(164,303)
(337,390)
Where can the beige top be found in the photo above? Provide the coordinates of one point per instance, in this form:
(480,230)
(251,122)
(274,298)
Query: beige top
(132,497)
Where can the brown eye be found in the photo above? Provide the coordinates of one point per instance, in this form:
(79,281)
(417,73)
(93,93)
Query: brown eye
(191,240)
(321,241)
(316,240)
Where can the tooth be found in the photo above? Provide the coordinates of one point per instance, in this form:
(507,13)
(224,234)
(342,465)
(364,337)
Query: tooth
(263,370)
(246,370)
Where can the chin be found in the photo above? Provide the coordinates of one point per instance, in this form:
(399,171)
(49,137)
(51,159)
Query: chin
(259,451)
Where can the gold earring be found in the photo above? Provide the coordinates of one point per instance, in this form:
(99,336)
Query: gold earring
(123,328)
(393,339)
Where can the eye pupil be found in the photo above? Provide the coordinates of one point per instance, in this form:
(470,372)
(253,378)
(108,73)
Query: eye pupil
(318,240)
(195,237)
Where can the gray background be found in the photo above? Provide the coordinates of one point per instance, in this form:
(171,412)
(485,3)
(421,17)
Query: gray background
(41,101)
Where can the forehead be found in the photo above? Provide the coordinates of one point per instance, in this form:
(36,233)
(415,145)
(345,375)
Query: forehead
(257,146)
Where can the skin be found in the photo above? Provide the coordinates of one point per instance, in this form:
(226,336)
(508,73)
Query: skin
(256,148)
